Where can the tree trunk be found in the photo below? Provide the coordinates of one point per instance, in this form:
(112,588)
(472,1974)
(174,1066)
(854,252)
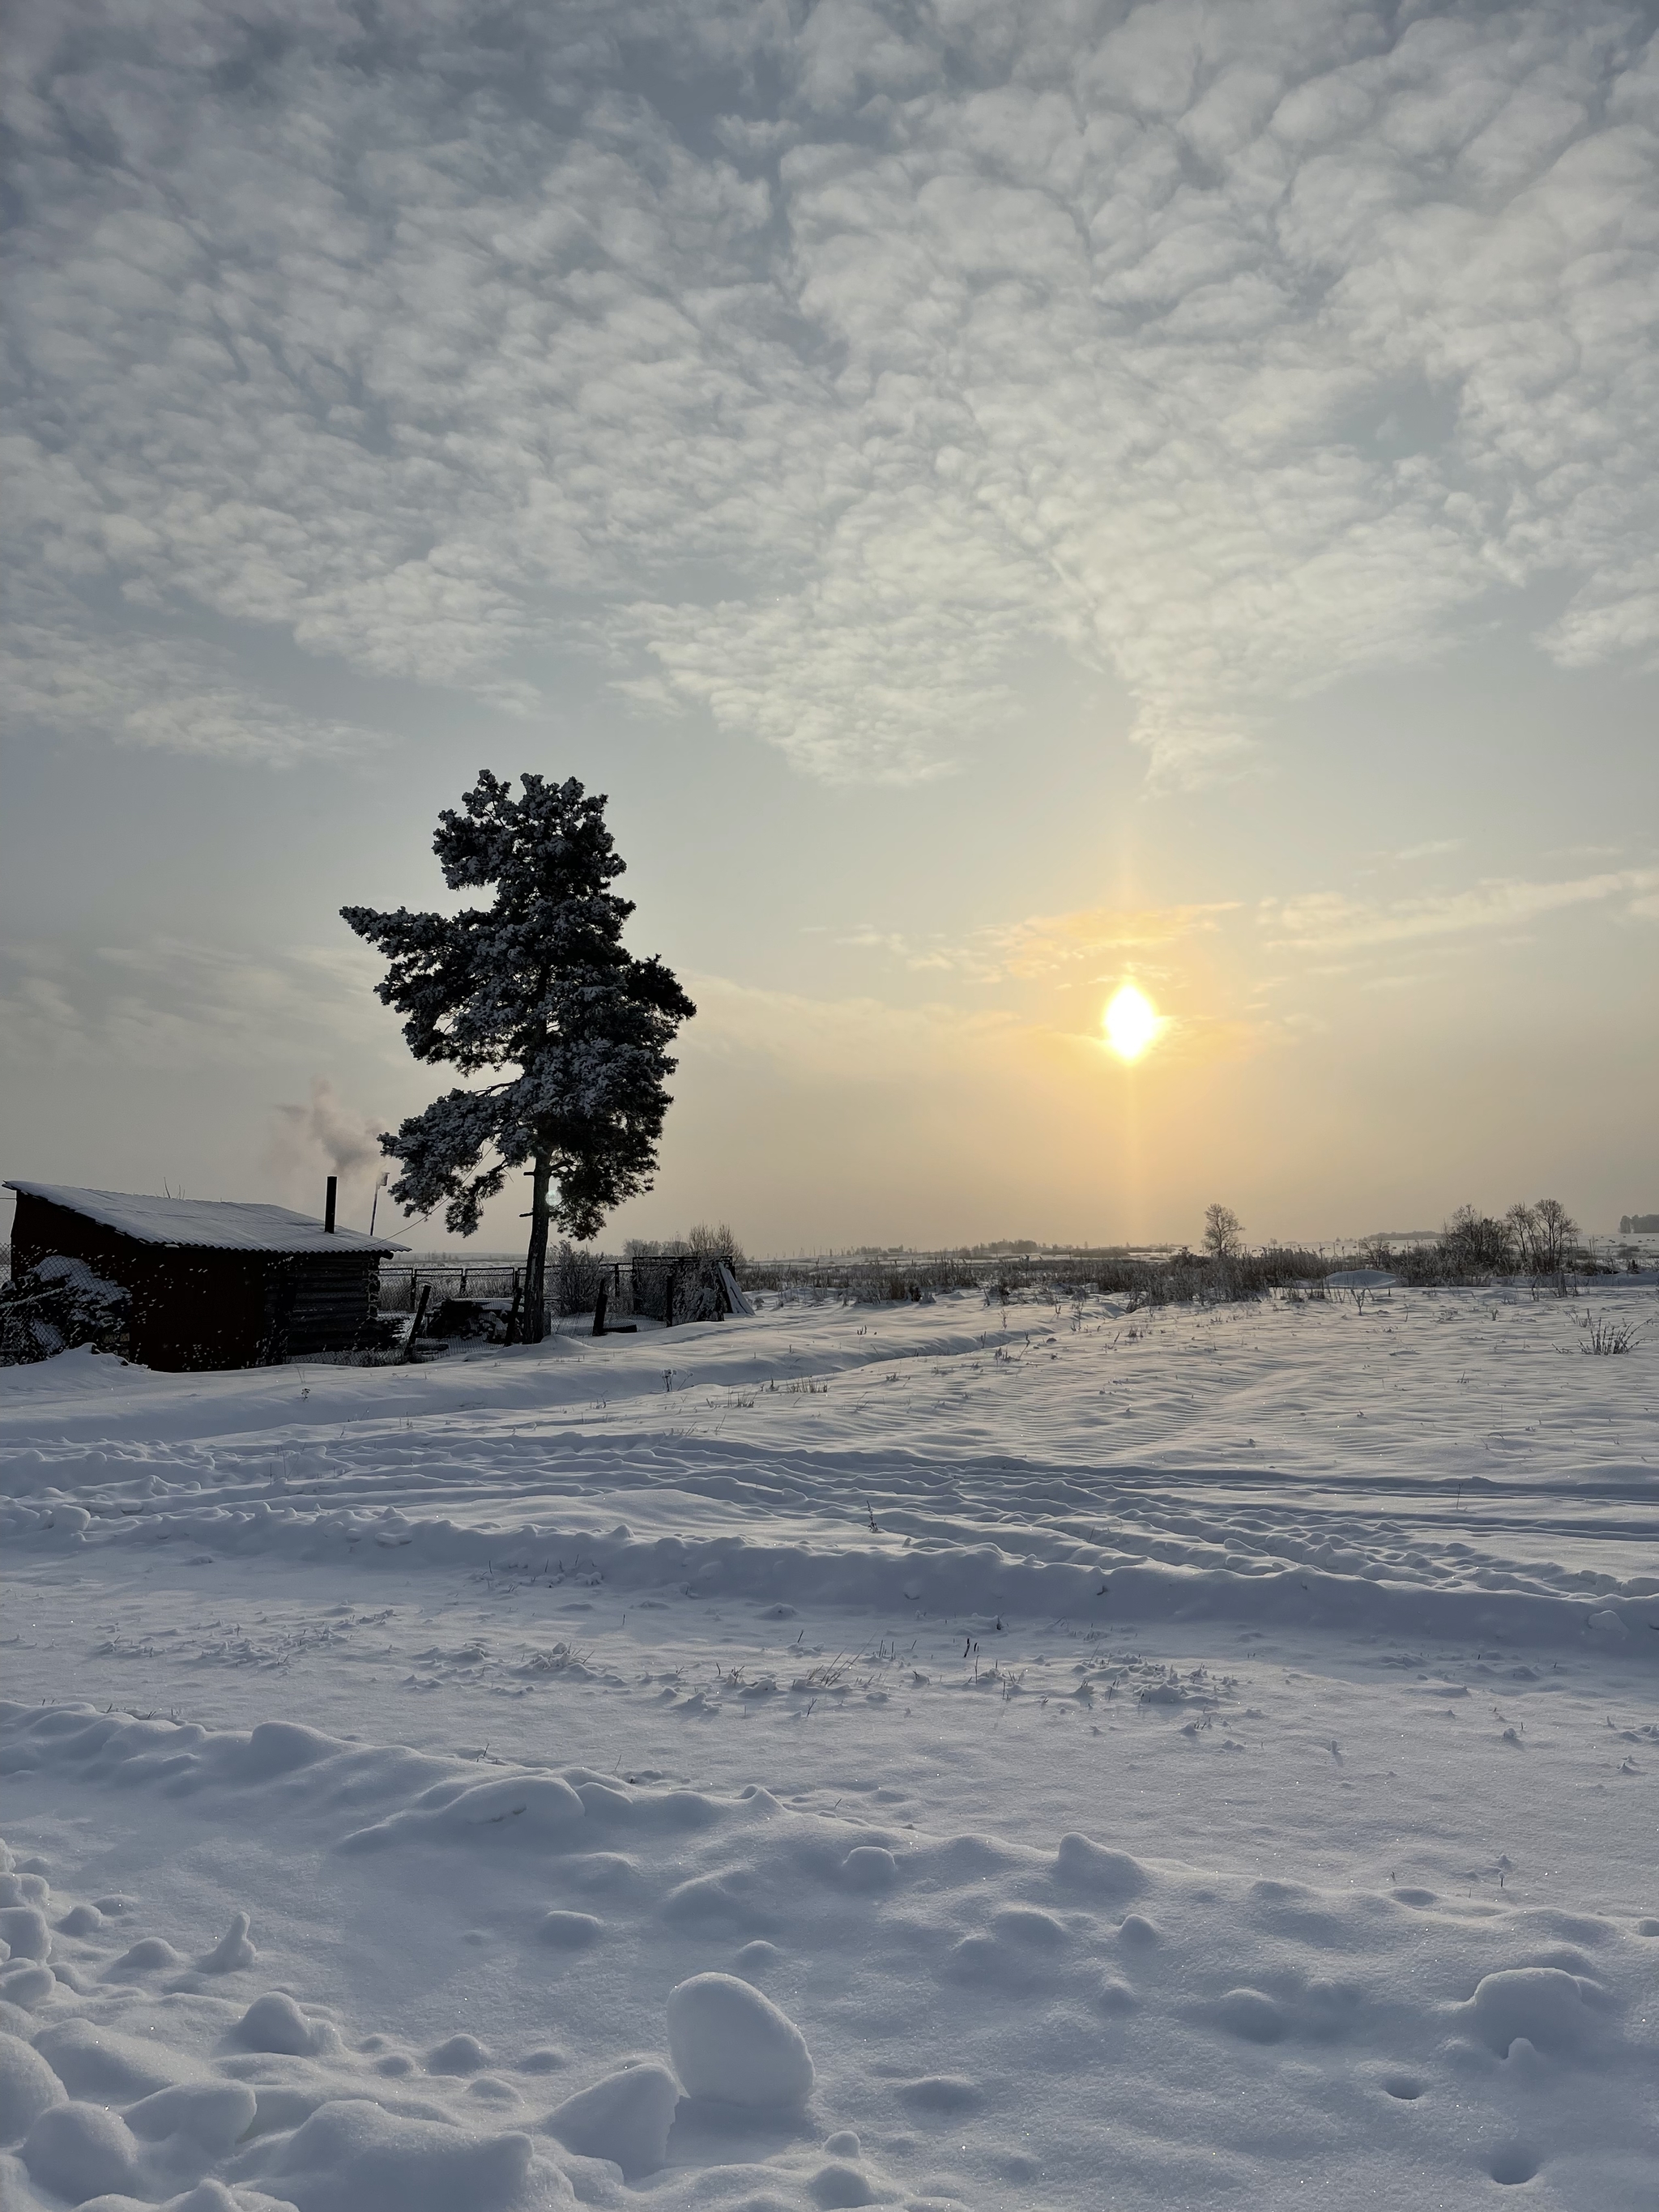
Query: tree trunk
(535,1272)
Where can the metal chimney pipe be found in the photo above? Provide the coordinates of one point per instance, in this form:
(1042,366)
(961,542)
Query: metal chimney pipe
(328,1205)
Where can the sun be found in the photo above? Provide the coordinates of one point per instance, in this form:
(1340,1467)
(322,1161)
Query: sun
(1132,1022)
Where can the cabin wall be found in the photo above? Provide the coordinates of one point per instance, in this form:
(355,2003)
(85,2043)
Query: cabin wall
(203,1309)
(40,1229)
(324,1305)
(196,1308)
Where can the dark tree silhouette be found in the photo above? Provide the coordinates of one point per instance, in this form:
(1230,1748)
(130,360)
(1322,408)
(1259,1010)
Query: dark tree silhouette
(538,981)
(1224,1232)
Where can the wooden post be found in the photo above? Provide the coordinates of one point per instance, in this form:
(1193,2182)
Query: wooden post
(599,1310)
(513,1314)
(415,1327)
(668,1298)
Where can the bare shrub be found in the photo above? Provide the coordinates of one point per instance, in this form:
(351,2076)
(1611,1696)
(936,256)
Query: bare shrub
(576,1280)
(1224,1232)
(1536,1239)
(1543,1235)
(1476,1245)
(867,1280)
(1433,1267)
(1608,1339)
(714,1242)
(1185,1279)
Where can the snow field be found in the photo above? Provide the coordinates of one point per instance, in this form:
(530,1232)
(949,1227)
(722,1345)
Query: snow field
(1453,1452)
(518,1783)
(963,1993)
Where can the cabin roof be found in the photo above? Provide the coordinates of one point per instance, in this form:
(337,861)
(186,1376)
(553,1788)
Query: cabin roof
(219,1224)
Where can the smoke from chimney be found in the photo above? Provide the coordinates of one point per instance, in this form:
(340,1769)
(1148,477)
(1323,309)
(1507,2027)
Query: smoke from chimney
(307,1141)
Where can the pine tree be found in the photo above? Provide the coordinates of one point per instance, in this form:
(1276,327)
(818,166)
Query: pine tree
(538,981)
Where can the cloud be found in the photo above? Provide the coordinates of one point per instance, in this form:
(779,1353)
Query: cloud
(1323,921)
(1202,961)
(839,1041)
(1231,351)
(1052,943)
(1050,946)
(168,694)
(171,1004)
(830,1044)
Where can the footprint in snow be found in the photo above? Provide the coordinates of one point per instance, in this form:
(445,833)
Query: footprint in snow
(610,1874)
(1020,1955)
(1252,2016)
(944,2095)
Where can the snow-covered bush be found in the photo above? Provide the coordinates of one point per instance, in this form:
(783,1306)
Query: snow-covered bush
(58,1304)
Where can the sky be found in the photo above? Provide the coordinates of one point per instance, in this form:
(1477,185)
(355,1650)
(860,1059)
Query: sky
(1007,500)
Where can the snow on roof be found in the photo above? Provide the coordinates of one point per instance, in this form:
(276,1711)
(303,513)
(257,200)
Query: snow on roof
(221,1225)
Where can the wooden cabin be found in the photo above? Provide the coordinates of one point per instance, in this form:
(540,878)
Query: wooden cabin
(211,1282)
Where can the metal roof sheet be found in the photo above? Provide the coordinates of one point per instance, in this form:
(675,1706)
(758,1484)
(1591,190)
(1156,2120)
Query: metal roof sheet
(220,1224)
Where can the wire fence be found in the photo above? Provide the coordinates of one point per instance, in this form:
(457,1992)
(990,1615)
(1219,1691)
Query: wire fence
(401,1287)
(666,1287)
(658,1285)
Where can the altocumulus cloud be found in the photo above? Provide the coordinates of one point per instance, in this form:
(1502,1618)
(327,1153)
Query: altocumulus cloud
(1323,921)
(820,364)
(172,1003)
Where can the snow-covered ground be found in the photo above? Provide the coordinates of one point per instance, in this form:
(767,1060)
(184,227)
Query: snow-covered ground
(929,1756)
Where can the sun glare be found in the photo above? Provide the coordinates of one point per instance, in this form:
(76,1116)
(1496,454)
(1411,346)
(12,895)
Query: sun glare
(1131,1022)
